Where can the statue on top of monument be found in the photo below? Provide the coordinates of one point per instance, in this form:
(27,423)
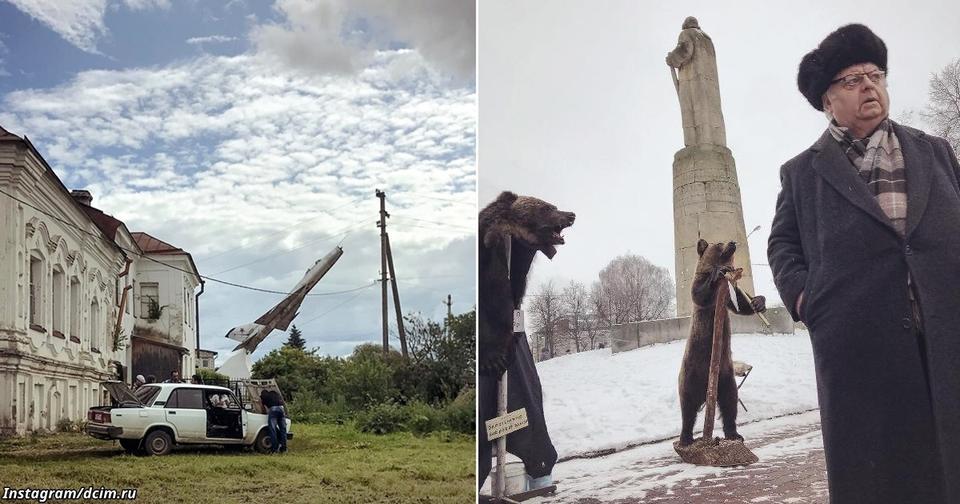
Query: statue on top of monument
(693,65)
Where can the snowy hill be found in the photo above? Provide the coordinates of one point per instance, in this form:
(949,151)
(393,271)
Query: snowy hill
(597,401)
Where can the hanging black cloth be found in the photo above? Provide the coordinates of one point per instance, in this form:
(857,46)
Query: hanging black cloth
(532,443)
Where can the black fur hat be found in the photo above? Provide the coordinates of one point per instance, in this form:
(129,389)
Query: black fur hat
(848,45)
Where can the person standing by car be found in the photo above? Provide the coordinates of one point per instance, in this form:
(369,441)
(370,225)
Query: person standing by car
(276,420)
(174,377)
(139,382)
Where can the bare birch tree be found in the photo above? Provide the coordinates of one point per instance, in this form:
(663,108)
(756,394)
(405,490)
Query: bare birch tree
(943,111)
(575,305)
(631,289)
(545,310)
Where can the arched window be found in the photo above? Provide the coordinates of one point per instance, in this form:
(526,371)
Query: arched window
(36,293)
(95,326)
(76,310)
(59,312)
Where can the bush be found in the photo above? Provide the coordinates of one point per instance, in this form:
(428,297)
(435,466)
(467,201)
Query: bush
(298,372)
(366,379)
(310,409)
(66,425)
(422,418)
(210,376)
(382,419)
(460,415)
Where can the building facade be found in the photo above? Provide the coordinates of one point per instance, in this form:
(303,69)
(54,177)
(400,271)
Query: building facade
(165,334)
(69,277)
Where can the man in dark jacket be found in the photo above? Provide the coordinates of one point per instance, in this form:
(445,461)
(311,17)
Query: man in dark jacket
(276,420)
(865,250)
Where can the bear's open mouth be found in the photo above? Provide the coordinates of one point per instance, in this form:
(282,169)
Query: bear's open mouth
(556,235)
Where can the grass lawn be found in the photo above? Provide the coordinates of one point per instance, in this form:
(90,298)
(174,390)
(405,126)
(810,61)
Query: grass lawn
(325,463)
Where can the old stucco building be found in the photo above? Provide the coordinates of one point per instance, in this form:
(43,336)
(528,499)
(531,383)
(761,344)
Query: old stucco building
(73,283)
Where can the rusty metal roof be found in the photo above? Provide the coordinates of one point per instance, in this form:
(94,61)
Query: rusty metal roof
(152,245)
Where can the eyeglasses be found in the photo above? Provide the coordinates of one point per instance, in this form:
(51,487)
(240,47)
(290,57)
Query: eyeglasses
(852,81)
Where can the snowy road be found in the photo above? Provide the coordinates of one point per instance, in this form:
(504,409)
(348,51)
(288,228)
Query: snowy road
(791,470)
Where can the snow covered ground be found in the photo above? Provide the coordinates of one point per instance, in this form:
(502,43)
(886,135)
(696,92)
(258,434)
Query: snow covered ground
(598,401)
(791,470)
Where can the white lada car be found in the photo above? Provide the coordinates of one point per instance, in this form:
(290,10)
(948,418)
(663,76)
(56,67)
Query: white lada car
(158,416)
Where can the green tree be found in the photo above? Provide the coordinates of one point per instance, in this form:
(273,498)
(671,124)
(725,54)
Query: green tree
(295,340)
(298,372)
(443,363)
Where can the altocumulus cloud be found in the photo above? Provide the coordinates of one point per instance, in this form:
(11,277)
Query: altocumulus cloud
(258,168)
(80,22)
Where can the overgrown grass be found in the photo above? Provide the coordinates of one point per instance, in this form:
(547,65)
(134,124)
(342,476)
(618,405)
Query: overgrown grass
(326,463)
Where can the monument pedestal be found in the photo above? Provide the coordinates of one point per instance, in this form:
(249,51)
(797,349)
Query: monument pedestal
(706,204)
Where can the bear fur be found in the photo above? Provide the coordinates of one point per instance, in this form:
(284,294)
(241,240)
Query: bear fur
(530,225)
(715,261)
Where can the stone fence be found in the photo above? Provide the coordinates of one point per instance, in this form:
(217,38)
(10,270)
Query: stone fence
(634,335)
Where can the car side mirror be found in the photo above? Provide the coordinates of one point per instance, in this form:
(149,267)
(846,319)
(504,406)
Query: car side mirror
(248,407)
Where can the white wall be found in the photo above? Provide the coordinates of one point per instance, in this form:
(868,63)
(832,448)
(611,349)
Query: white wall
(44,377)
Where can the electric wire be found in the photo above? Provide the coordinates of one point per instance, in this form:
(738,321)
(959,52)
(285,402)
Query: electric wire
(144,256)
(281,231)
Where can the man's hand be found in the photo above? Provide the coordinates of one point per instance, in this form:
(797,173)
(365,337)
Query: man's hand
(759,304)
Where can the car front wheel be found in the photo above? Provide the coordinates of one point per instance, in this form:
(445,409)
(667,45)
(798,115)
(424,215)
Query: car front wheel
(262,444)
(157,442)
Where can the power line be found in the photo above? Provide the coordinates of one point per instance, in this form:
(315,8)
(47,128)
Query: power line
(431,222)
(144,256)
(281,252)
(281,231)
(446,200)
(435,228)
(338,305)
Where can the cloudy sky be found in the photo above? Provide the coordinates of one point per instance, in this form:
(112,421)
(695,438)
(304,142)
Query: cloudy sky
(577,107)
(253,135)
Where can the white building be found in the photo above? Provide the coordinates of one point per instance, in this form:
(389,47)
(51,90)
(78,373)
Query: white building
(69,293)
(165,335)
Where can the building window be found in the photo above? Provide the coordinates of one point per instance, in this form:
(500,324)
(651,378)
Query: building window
(150,300)
(94,326)
(58,305)
(36,293)
(75,309)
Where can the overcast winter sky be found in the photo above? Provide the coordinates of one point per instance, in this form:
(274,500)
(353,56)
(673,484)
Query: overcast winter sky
(253,135)
(577,107)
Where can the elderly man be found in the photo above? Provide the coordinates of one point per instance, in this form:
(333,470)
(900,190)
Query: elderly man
(865,250)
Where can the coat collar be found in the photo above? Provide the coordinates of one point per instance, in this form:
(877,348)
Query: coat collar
(834,166)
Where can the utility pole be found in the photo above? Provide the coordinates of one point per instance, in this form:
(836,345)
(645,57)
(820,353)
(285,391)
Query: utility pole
(396,299)
(449,304)
(386,261)
(382,224)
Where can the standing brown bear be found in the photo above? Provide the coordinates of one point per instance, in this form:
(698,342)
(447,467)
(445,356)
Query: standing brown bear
(715,261)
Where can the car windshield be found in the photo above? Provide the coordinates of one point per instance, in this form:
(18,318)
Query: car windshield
(146,394)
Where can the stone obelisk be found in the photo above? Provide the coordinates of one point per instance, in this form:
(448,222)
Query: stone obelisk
(706,194)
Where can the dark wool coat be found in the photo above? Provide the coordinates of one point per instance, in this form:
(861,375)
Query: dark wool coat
(889,397)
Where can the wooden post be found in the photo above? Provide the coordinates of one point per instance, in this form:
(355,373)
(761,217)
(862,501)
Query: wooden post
(719,322)
(396,298)
(449,304)
(382,224)
(500,485)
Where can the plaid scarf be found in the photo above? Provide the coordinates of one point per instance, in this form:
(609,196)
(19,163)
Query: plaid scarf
(879,161)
